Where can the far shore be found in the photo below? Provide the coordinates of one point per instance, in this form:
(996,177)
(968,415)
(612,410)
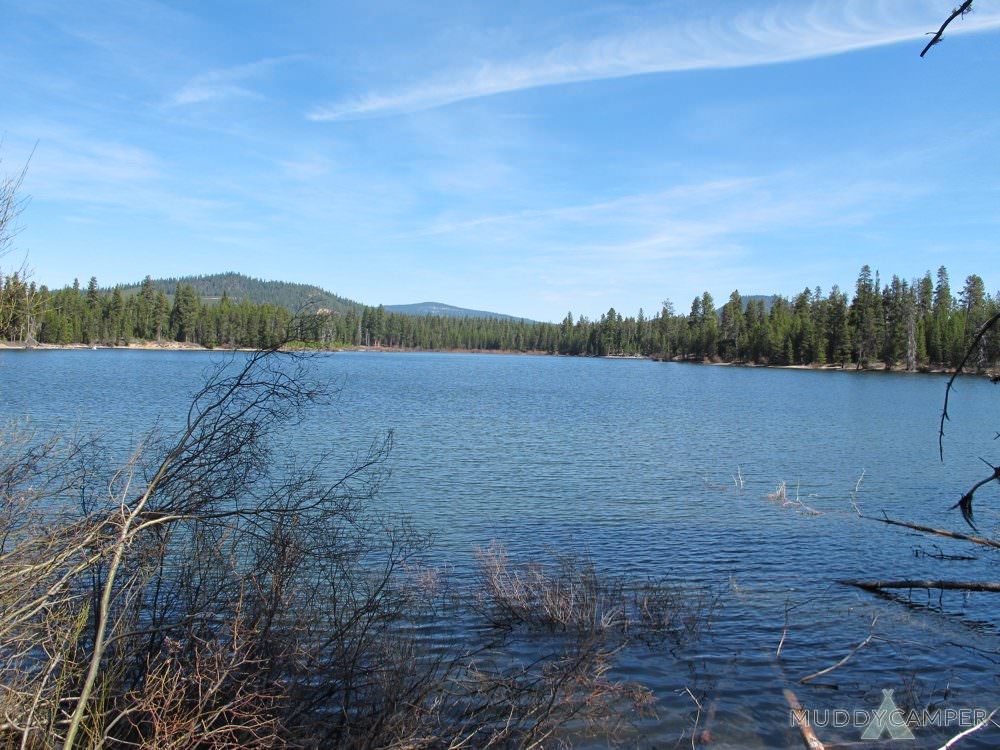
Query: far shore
(178,346)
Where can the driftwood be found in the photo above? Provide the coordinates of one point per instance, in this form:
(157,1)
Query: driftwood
(802,720)
(942,585)
(939,532)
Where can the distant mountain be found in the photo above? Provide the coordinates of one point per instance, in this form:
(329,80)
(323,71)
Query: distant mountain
(447,311)
(294,297)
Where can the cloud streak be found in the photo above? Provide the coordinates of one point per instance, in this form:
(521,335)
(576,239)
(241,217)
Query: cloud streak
(716,218)
(780,33)
(226,83)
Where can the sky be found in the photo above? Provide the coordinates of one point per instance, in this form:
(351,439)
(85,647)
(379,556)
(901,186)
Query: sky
(531,158)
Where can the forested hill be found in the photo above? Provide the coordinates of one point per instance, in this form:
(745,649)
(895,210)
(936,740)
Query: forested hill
(294,297)
(291,296)
(446,311)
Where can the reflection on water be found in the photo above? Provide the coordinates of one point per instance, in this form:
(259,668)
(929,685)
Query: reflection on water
(639,463)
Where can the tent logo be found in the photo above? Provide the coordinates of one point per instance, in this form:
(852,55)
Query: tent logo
(887,719)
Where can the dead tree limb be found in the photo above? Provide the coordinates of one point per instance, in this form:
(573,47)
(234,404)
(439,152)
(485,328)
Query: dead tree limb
(877,586)
(961,11)
(939,532)
(965,502)
(983,329)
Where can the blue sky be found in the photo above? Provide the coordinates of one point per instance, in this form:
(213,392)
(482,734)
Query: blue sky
(525,157)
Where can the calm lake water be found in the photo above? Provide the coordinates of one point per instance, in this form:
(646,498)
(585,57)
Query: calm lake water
(634,461)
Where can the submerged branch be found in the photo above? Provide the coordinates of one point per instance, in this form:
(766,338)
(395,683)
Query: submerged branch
(842,662)
(971,730)
(802,721)
(939,532)
(877,586)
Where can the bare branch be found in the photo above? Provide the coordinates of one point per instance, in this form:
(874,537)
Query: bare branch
(961,11)
(942,585)
(938,532)
(983,329)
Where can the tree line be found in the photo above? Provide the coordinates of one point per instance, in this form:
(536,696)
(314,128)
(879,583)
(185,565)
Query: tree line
(900,323)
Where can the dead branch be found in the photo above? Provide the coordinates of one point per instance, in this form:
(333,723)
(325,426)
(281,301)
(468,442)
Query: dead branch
(939,532)
(697,718)
(983,329)
(842,662)
(784,634)
(961,11)
(965,502)
(780,496)
(940,554)
(925,584)
(854,494)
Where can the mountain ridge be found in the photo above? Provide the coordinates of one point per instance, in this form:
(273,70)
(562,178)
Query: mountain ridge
(298,297)
(448,311)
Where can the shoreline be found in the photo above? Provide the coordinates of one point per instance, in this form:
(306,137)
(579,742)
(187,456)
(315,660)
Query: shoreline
(178,346)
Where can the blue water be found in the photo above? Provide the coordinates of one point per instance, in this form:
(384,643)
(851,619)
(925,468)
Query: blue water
(634,461)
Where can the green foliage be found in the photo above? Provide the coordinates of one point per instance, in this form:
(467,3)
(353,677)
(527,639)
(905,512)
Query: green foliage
(900,324)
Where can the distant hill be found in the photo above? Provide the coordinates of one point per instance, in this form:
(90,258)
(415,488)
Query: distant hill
(447,311)
(768,300)
(297,297)
(294,297)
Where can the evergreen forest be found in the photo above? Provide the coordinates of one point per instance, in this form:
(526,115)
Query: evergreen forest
(897,324)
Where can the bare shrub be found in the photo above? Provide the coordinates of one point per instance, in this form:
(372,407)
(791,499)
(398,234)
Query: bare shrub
(569,594)
(207,593)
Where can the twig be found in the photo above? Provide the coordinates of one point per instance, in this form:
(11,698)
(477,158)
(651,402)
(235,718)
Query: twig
(961,10)
(842,662)
(854,495)
(784,633)
(697,718)
(940,554)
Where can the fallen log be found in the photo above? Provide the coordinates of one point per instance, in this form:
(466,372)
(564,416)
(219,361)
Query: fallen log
(943,585)
(939,532)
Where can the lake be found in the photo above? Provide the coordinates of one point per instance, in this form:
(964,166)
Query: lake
(634,461)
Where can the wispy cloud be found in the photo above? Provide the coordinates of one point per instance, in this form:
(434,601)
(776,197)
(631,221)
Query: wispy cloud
(643,207)
(704,220)
(226,83)
(782,32)
(89,175)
